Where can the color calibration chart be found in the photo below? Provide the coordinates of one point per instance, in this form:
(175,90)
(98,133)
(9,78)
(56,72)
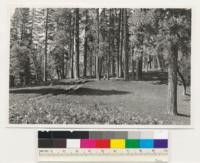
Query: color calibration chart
(103,146)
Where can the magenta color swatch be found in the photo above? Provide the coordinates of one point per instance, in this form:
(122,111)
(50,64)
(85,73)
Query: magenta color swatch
(88,143)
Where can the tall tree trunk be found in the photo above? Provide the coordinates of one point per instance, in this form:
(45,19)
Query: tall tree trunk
(112,43)
(72,65)
(97,67)
(113,66)
(121,44)
(34,58)
(133,63)
(183,81)
(126,67)
(76,46)
(139,68)
(109,54)
(118,42)
(46,45)
(72,46)
(158,62)
(133,69)
(90,62)
(63,66)
(94,61)
(98,49)
(65,60)
(149,62)
(32,26)
(85,45)
(100,66)
(108,66)
(172,80)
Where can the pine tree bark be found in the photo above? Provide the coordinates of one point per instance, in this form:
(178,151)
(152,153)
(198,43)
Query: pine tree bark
(31,47)
(72,45)
(112,43)
(76,42)
(85,45)
(98,48)
(133,63)
(183,81)
(68,68)
(125,48)
(95,65)
(109,66)
(133,69)
(90,62)
(46,45)
(63,66)
(113,66)
(118,41)
(172,79)
(97,68)
(139,68)
(121,44)
(158,62)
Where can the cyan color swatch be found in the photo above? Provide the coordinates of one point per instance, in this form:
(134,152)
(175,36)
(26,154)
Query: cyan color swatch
(146,143)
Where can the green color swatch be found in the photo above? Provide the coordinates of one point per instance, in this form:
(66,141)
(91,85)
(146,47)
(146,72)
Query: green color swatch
(132,143)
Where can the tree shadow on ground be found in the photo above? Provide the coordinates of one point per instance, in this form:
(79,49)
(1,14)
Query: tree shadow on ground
(71,82)
(97,92)
(158,77)
(183,115)
(79,91)
(55,82)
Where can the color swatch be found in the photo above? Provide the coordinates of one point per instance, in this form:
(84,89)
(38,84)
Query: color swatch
(117,143)
(102,139)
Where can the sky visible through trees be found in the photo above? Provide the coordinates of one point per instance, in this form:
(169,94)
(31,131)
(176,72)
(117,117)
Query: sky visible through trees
(49,44)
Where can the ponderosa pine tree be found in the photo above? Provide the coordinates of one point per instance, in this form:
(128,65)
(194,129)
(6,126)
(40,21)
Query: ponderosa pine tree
(46,45)
(20,65)
(98,46)
(76,44)
(125,48)
(85,44)
(174,34)
(120,43)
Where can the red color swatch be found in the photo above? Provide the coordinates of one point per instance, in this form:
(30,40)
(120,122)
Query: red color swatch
(102,143)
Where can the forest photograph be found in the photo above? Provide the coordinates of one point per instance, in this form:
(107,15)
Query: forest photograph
(100,66)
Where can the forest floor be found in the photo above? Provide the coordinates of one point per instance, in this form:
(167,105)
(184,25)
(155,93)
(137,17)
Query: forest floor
(90,101)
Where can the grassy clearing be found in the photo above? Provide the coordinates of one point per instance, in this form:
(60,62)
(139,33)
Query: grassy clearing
(96,102)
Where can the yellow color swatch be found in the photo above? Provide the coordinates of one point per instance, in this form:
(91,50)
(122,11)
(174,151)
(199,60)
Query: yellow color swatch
(117,143)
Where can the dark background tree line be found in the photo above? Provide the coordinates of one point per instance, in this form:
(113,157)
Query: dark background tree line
(60,43)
